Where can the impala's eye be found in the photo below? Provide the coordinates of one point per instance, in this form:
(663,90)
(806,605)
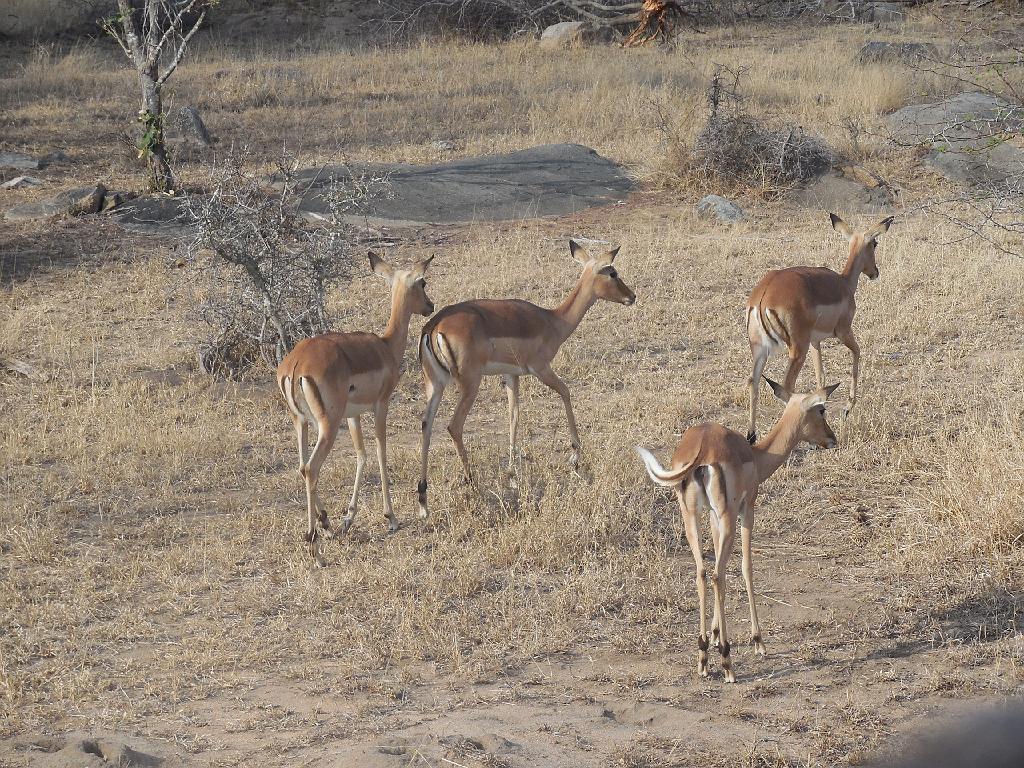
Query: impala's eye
(612,274)
(821,410)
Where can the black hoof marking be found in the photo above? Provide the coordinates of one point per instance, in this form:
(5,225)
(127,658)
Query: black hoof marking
(725,650)
(310,536)
(756,638)
(702,644)
(751,437)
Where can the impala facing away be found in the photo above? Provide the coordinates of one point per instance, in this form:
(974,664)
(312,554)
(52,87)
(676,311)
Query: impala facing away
(797,308)
(715,468)
(337,376)
(465,342)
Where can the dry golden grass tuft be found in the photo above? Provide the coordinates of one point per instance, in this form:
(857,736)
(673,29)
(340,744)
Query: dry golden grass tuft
(152,578)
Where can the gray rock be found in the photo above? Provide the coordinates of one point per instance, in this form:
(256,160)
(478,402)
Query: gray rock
(76,202)
(550,180)
(185,126)
(572,33)
(154,214)
(718,207)
(964,135)
(838,192)
(887,13)
(881,51)
(22,182)
(22,162)
(443,146)
(19,162)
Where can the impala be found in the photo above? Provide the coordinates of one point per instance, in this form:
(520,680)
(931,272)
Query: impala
(715,468)
(511,338)
(795,309)
(337,376)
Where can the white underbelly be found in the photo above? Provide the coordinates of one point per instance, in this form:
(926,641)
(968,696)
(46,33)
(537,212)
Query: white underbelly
(354,409)
(504,369)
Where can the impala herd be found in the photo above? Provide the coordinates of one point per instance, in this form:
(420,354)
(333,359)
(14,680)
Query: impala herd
(337,377)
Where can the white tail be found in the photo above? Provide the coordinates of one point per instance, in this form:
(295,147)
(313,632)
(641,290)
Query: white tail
(658,473)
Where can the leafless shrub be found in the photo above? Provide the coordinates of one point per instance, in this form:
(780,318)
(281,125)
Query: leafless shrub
(501,18)
(266,271)
(991,62)
(735,150)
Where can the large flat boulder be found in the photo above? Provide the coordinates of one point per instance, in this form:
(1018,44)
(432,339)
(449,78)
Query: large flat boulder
(971,138)
(549,180)
(76,202)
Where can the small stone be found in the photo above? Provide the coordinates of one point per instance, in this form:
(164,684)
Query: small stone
(444,146)
(184,125)
(19,162)
(22,182)
(569,34)
(881,51)
(718,207)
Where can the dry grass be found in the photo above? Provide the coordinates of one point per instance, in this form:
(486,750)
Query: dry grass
(150,558)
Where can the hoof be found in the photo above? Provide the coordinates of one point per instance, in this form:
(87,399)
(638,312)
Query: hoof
(319,562)
(393,526)
(346,522)
(423,514)
(702,670)
(574,460)
(758,645)
(730,676)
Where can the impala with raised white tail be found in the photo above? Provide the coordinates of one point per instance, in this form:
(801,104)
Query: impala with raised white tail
(509,338)
(795,309)
(335,377)
(715,468)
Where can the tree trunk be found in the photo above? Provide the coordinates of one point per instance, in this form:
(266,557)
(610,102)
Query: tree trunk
(151,140)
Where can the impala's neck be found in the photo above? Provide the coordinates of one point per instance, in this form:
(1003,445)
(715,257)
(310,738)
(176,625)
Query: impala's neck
(396,334)
(854,266)
(575,306)
(771,452)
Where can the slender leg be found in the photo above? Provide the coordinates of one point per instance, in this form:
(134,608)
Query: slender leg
(748,578)
(797,356)
(434,391)
(688,507)
(512,387)
(847,338)
(355,430)
(380,429)
(311,473)
(760,353)
(819,369)
(551,379)
(302,435)
(468,389)
(718,580)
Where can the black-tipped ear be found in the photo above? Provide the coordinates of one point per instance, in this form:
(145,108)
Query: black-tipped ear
(613,253)
(778,390)
(425,264)
(380,267)
(840,226)
(880,228)
(830,390)
(578,252)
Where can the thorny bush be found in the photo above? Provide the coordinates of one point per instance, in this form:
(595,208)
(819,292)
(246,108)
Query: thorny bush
(265,270)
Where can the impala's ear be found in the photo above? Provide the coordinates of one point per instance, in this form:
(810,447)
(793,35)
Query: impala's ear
(840,226)
(819,397)
(578,252)
(778,390)
(424,264)
(879,229)
(613,253)
(380,267)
